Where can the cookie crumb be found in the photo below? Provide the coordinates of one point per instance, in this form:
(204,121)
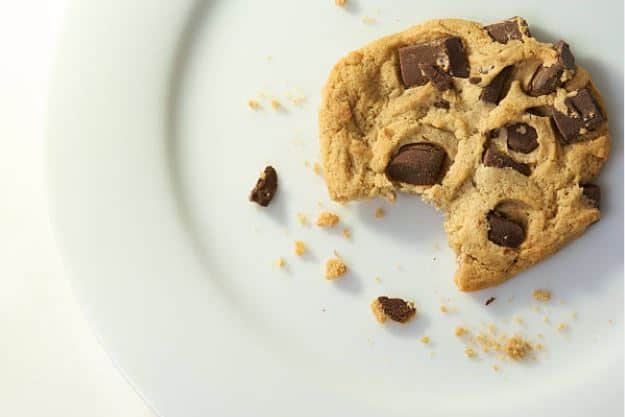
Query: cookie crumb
(378,280)
(368,20)
(425,340)
(347,233)
(254,105)
(335,268)
(300,248)
(562,327)
(340,2)
(379,212)
(444,309)
(327,219)
(546,319)
(540,294)
(460,331)
(470,352)
(573,314)
(317,168)
(517,348)
(280,262)
(396,309)
(265,188)
(302,219)
(275,104)
(495,367)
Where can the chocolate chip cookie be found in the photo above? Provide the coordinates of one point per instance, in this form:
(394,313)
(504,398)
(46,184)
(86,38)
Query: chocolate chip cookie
(503,133)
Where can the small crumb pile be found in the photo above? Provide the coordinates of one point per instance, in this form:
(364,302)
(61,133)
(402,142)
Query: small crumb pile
(300,248)
(379,212)
(280,262)
(327,219)
(254,105)
(275,104)
(425,340)
(347,233)
(516,348)
(335,268)
(460,331)
(540,294)
(470,352)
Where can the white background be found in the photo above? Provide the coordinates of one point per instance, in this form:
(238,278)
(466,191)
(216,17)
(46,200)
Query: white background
(50,362)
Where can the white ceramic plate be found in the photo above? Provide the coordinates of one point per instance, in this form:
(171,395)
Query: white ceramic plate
(152,152)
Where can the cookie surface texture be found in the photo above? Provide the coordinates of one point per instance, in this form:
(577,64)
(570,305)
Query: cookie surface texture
(503,133)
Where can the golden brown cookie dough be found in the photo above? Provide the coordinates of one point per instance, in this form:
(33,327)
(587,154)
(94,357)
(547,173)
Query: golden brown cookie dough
(500,131)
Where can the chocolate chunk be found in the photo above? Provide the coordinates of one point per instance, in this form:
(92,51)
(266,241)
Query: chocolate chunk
(542,111)
(493,158)
(583,112)
(496,90)
(439,78)
(505,31)
(446,53)
(585,105)
(593,193)
(545,80)
(441,104)
(397,309)
(458,64)
(417,164)
(475,80)
(567,126)
(565,56)
(503,231)
(522,137)
(490,300)
(265,188)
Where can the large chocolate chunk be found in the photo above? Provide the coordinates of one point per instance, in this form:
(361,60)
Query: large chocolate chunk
(522,137)
(567,126)
(417,164)
(545,80)
(565,56)
(503,231)
(447,53)
(265,188)
(593,193)
(439,78)
(505,31)
(397,309)
(493,158)
(583,112)
(585,105)
(496,90)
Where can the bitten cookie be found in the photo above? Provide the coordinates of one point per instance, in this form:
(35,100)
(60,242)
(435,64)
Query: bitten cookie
(503,133)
